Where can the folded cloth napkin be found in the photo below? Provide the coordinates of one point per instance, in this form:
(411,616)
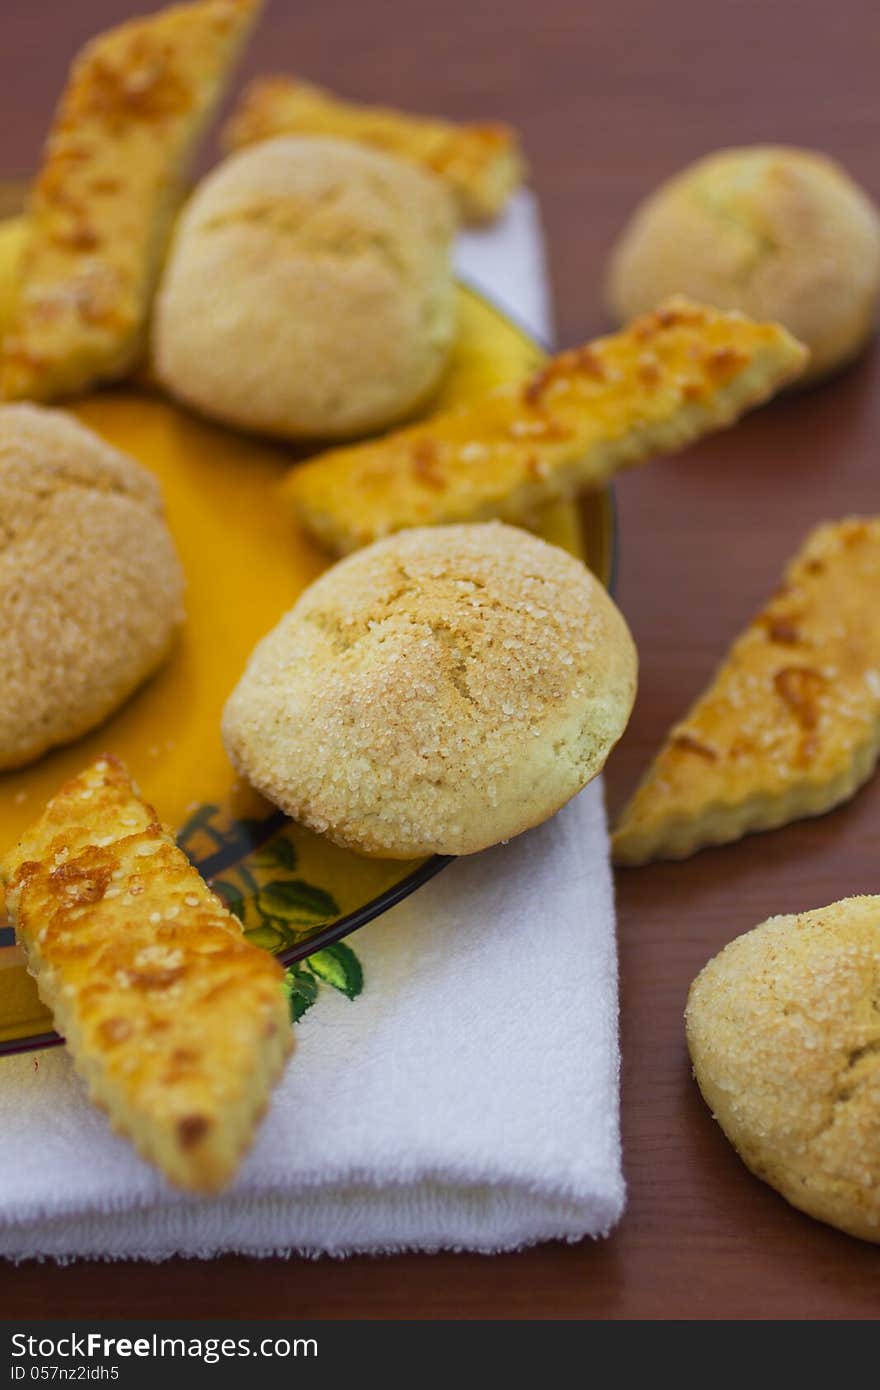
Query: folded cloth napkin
(466,1099)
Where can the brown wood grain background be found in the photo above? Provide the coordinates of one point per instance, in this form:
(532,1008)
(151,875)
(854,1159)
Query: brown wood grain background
(611,95)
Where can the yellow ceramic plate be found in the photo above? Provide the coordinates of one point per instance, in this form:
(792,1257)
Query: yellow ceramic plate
(245,563)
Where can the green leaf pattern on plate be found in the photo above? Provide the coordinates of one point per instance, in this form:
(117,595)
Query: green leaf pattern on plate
(296,903)
(279,853)
(275,908)
(338,966)
(301,988)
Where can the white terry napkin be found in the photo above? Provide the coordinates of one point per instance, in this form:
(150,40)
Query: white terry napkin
(468,1098)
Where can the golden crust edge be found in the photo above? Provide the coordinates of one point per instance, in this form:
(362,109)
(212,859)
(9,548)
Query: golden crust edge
(679,837)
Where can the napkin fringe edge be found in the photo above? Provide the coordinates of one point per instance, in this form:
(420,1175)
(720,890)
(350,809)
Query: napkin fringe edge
(311,1252)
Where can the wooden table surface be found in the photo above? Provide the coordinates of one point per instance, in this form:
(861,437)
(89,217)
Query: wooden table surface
(611,95)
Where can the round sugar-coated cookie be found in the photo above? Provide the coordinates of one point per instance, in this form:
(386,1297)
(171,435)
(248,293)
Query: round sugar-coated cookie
(309,290)
(435,692)
(779,233)
(784,1033)
(90,584)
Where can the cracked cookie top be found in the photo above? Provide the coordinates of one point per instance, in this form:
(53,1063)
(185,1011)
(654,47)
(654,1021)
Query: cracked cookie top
(784,1033)
(438,691)
(774,231)
(91,588)
(309,290)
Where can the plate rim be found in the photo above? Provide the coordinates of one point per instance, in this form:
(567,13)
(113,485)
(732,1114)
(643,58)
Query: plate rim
(376,907)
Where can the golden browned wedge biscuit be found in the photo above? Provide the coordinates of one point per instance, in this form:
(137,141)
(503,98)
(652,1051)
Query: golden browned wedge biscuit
(791,724)
(669,378)
(436,693)
(101,210)
(481,163)
(784,1034)
(179,1026)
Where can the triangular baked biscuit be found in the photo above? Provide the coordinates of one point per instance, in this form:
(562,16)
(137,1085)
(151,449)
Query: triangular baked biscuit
(669,378)
(177,1023)
(136,102)
(791,723)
